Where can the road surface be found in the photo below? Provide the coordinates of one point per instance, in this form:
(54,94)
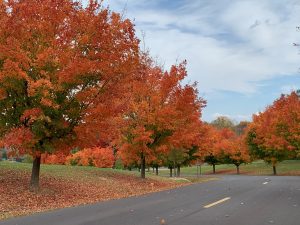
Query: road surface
(232,200)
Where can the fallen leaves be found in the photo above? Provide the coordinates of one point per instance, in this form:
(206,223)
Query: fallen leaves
(75,187)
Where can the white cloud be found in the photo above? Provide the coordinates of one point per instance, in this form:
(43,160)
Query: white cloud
(229,45)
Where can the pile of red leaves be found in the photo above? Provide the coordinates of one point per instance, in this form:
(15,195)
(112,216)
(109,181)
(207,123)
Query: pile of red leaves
(64,191)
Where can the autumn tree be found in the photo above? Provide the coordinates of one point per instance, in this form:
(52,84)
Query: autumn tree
(62,70)
(160,114)
(274,134)
(236,152)
(223,122)
(209,152)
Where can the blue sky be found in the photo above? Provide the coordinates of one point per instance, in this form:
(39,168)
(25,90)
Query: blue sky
(240,52)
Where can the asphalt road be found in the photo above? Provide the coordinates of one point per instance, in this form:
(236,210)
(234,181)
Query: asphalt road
(232,200)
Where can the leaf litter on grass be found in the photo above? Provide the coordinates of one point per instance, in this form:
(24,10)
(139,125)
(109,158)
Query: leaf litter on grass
(77,188)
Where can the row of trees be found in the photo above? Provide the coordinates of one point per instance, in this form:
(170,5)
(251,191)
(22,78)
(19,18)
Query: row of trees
(225,146)
(273,135)
(78,79)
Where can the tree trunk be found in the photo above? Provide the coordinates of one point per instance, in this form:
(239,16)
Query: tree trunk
(156,170)
(153,169)
(274,170)
(143,167)
(178,171)
(148,169)
(171,172)
(35,174)
(214,168)
(237,169)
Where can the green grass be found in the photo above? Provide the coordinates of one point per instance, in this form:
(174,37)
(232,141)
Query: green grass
(288,167)
(87,173)
(63,171)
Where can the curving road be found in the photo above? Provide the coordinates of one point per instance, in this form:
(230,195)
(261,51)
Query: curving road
(232,200)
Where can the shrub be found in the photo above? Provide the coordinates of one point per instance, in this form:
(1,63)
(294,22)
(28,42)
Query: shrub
(58,159)
(98,157)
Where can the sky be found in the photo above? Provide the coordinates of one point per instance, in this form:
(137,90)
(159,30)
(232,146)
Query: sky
(240,52)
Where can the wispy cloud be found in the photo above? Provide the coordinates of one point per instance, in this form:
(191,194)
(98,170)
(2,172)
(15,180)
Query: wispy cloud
(229,45)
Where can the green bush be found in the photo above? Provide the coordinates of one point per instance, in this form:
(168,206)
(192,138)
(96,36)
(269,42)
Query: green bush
(119,164)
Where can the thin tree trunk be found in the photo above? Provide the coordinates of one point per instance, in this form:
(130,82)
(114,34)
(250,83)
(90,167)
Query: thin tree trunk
(237,169)
(143,166)
(148,169)
(178,171)
(274,170)
(153,169)
(214,168)
(156,170)
(35,174)
(171,172)
(174,166)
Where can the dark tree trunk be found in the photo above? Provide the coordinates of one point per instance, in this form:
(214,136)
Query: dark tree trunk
(174,167)
(171,172)
(156,170)
(178,171)
(143,167)
(214,168)
(148,169)
(153,169)
(35,174)
(237,169)
(274,170)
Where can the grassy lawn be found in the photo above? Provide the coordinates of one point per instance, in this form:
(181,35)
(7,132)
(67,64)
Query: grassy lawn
(288,167)
(66,186)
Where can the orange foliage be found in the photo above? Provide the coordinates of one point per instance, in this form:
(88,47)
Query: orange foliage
(162,115)
(63,79)
(58,158)
(98,157)
(224,146)
(277,129)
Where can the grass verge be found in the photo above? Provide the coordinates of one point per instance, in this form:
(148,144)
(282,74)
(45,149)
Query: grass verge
(285,168)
